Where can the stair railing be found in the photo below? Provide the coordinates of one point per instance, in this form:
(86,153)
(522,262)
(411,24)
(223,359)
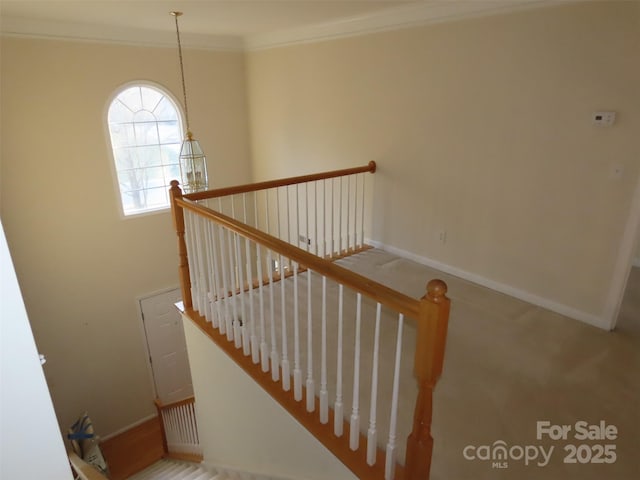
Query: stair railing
(255,295)
(180,430)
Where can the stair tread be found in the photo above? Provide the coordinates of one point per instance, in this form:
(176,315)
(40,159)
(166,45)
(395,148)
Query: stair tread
(169,469)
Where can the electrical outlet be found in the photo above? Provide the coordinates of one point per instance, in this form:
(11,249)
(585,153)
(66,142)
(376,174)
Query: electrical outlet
(305,240)
(603,119)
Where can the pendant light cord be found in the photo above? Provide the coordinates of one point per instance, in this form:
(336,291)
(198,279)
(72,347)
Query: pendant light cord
(184,87)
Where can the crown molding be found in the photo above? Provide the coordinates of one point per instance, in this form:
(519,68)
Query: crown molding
(395,18)
(50,30)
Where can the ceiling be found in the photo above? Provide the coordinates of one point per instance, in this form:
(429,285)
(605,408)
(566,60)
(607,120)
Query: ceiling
(229,22)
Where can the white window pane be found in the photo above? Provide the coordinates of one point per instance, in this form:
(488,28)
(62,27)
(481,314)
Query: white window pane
(130,180)
(148,156)
(146,133)
(157,197)
(169,132)
(132,98)
(125,158)
(122,135)
(170,154)
(166,110)
(171,172)
(134,201)
(144,116)
(150,98)
(154,177)
(119,113)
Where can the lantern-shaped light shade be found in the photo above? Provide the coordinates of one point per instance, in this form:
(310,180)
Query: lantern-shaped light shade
(193,166)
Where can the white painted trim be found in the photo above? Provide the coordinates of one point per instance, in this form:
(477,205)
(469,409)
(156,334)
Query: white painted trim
(395,18)
(626,251)
(497,286)
(128,427)
(81,32)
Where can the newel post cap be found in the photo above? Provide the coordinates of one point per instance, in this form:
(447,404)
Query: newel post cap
(436,290)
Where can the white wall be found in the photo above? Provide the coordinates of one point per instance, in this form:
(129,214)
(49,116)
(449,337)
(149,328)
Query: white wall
(480,128)
(242,427)
(81,265)
(30,443)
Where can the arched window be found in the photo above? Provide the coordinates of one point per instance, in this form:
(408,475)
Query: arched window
(146,133)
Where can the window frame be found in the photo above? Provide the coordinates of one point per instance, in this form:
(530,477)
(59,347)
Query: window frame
(114,170)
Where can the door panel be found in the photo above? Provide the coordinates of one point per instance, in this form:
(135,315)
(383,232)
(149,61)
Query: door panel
(167,346)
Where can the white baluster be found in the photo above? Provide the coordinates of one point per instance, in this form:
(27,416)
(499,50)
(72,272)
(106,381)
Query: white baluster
(286,378)
(354,427)
(264,352)
(390,460)
(192,255)
(297,372)
(215,290)
(315,216)
(311,394)
(203,289)
(362,216)
(372,432)
(333,216)
(286,189)
(348,210)
(340,222)
(306,204)
(297,239)
(338,420)
(231,293)
(355,213)
(238,312)
(275,360)
(225,323)
(208,271)
(324,218)
(255,346)
(324,394)
(248,322)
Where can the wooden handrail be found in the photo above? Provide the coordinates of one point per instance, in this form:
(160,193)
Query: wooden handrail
(84,470)
(355,460)
(283,182)
(431,338)
(404,304)
(431,313)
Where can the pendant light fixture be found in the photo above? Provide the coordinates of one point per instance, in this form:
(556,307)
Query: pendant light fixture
(193,163)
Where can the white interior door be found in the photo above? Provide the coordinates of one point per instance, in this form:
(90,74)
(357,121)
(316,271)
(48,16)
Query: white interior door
(167,346)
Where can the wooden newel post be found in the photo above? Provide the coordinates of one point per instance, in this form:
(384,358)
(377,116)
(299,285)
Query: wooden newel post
(431,338)
(183,266)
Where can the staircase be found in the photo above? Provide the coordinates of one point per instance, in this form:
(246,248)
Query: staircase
(168,469)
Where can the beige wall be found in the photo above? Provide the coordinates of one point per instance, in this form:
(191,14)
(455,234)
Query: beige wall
(228,411)
(480,127)
(80,265)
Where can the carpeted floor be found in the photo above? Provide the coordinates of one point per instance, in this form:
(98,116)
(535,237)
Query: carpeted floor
(509,365)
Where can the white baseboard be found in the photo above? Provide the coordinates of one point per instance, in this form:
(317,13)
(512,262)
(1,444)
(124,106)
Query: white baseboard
(532,298)
(128,427)
(636,262)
